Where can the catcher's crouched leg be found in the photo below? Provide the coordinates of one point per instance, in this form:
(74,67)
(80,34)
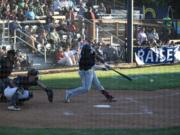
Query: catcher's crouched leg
(25,97)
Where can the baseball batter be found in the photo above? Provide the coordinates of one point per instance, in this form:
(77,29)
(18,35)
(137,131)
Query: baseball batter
(88,75)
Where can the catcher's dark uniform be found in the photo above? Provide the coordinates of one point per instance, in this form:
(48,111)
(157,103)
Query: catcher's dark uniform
(6,68)
(23,82)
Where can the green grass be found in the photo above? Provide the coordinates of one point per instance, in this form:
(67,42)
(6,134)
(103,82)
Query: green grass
(163,77)
(18,131)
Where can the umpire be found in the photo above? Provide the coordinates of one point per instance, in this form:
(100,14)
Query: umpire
(6,67)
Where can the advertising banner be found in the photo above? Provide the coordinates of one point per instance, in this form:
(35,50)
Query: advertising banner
(157,55)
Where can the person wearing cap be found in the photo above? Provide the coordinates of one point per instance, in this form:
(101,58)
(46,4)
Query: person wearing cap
(19,91)
(6,68)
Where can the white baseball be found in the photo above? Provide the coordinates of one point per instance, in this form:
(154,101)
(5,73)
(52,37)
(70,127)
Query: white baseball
(151,80)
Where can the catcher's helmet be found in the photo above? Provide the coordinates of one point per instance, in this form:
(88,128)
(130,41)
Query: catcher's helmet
(33,72)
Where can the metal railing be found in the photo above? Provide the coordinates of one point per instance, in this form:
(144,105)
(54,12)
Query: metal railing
(28,36)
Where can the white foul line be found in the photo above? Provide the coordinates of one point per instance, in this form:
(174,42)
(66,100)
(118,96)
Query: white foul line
(125,113)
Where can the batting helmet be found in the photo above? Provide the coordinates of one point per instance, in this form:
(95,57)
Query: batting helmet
(86,50)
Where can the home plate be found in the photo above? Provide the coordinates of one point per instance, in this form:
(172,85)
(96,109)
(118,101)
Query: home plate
(68,113)
(102,106)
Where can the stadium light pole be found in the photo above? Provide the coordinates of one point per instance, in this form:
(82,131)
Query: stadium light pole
(130,6)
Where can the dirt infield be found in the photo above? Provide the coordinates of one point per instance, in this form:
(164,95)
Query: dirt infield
(134,109)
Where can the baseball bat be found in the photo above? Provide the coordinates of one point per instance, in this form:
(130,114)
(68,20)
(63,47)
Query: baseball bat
(109,67)
(125,76)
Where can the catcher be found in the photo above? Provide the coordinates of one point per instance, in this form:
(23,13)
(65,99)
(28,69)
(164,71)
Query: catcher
(19,92)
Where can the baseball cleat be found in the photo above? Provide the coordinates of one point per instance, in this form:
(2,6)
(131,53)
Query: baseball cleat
(111,99)
(14,108)
(67,97)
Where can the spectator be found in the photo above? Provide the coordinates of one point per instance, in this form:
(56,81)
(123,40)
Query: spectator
(153,37)
(90,14)
(100,48)
(102,8)
(89,3)
(37,8)
(65,58)
(6,11)
(72,29)
(42,38)
(48,3)
(61,28)
(29,14)
(12,15)
(67,4)
(56,6)
(53,37)
(13,26)
(172,43)
(20,15)
(31,39)
(70,15)
(21,4)
(142,37)
(12,4)
(46,9)
(108,9)
(22,61)
(49,21)
(59,55)
(81,10)
(69,56)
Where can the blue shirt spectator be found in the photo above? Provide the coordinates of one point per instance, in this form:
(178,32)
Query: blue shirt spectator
(30,15)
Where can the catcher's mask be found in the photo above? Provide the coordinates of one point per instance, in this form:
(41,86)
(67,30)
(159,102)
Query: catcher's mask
(33,72)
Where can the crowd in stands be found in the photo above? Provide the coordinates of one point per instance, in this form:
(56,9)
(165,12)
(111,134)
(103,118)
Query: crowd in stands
(59,36)
(64,37)
(33,9)
(151,37)
(22,61)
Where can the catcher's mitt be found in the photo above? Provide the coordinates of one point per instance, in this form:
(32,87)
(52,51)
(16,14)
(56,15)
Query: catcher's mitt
(49,94)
